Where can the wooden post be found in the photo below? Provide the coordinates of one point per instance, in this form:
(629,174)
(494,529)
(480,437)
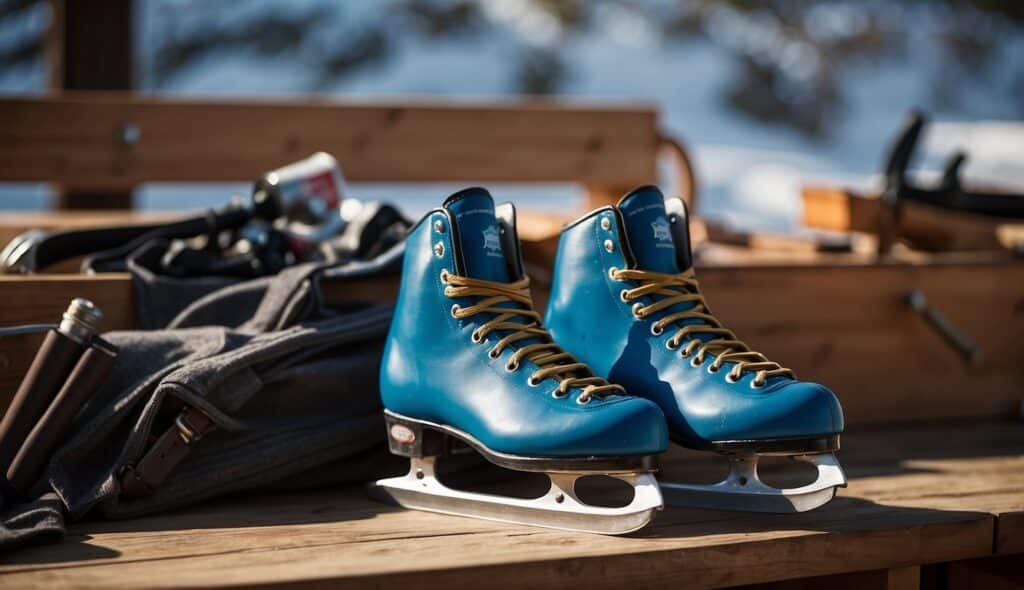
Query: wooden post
(90,46)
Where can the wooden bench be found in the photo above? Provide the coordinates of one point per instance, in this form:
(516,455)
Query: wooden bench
(937,506)
(925,504)
(838,319)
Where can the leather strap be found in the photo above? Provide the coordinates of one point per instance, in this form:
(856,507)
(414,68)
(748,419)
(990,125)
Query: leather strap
(167,452)
(107,242)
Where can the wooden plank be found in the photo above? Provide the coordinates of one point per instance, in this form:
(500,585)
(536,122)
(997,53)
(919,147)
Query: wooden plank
(927,227)
(337,538)
(369,544)
(836,209)
(73,140)
(845,326)
(850,326)
(345,554)
(898,578)
(41,299)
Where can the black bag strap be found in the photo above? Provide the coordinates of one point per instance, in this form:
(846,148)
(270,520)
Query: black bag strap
(41,250)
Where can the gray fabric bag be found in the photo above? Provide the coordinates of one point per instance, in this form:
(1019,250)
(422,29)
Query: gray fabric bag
(288,385)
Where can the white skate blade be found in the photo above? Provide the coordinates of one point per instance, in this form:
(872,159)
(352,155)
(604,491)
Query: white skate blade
(559,508)
(743,490)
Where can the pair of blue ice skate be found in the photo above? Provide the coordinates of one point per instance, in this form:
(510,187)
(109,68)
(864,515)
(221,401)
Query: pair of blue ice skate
(627,358)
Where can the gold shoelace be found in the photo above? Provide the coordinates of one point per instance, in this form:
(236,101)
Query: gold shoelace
(683,288)
(523,323)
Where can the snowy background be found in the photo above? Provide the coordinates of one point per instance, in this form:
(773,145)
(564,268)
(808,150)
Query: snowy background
(750,167)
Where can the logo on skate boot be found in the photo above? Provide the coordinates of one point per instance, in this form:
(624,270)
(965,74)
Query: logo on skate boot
(660,227)
(491,244)
(402,434)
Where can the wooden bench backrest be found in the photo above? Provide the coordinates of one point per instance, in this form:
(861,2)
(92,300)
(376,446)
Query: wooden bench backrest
(116,141)
(845,326)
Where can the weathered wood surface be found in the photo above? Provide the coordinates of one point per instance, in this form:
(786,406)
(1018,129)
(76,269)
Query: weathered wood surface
(926,226)
(843,325)
(916,496)
(76,140)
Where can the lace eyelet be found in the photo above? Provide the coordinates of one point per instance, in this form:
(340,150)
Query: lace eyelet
(685,353)
(439,249)
(493,353)
(755,385)
(444,276)
(611,273)
(456,309)
(694,363)
(636,310)
(583,399)
(606,224)
(671,344)
(713,369)
(557,395)
(657,330)
(622,295)
(532,382)
(512,366)
(730,379)
(476,337)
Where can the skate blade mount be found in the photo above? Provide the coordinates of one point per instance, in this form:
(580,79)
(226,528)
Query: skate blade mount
(560,508)
(743,490)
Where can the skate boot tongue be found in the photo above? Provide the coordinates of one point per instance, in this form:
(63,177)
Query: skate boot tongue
(648,230)
(479,240)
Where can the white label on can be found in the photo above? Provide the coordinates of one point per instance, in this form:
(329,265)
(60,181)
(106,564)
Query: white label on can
(402,434)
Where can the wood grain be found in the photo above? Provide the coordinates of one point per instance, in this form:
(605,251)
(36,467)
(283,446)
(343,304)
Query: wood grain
(846,326)
(896,515)
(72,140)
(925,226)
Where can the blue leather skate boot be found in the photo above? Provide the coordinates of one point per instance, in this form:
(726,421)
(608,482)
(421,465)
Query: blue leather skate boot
(625,300)
(468,358)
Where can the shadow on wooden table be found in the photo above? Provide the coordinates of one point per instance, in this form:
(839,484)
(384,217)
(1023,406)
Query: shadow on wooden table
(899,480)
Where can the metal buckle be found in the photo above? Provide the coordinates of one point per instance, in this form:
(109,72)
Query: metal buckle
(187,433)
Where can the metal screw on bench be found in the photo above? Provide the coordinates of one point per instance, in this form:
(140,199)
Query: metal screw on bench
(61,349)
(129,134)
